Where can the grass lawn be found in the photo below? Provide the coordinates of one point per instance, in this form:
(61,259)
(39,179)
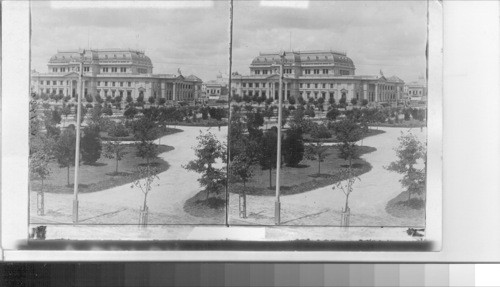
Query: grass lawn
(333,139)
(99,176)
(400,206)
(213,207)
(303,178)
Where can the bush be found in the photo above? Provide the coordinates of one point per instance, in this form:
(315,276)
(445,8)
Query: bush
(118,130)
(332,114)
(130,113)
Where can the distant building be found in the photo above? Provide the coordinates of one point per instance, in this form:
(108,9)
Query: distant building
(416,91)
(315,74)
(213,89)
(112,72)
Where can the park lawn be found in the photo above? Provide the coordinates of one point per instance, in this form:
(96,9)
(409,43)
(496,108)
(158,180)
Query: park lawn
(333,138)
(303,178)
(99,176)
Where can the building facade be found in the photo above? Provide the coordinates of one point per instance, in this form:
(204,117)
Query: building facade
(315,74)
(417,91)
(112,72)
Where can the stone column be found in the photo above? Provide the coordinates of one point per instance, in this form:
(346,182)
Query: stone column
(376,93)
(174,96)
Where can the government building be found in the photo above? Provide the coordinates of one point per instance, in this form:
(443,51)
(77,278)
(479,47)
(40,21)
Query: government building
(113,72)
(315,74)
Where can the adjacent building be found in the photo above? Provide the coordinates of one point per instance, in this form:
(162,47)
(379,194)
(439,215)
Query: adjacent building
(314,74)
(112,72)
(416,91)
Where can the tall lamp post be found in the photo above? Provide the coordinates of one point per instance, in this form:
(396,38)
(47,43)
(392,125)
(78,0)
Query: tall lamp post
(77,149)
(277,203)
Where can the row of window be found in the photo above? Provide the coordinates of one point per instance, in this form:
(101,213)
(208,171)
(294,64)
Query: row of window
(113,84)
(113,70)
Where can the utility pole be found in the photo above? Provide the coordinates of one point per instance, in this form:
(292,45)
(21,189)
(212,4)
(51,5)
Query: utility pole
(230,95)
(77,149)
(277,204)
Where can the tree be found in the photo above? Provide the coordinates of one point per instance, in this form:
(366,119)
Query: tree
(269,151)
(129,99)
(354,101)
(56,117)
(316,150)
(147,150)
(291,101)
(409,152)
(40,155)
(268,113)
(151,100)
(114,149)
(332,114)
(147,175)
(364,102)
(162,101)
(98,99)
(208,152)
(285,113)
(140,100)
(348,133)
(107,110)
(64,150)
(130,112)
(66,111)
(345,183)
(343,102)
(240,170)
(310,112)
(91,145)
(293,147)
(269,100)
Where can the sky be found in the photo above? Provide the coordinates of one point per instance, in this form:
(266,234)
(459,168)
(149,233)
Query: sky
(194,36)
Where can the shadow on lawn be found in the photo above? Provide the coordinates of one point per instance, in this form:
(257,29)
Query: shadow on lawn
(212,207)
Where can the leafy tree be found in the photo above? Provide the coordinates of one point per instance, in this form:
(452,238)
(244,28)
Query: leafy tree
(268,113)
(162,101)
(145,129)
(311,100)
(44,97)
(208,152)
(107,110)
(254,120)
(269,151)
(301,100)
(256,98)
(333,114)
(66,111)
(67,98)
(269,100)
(98,99)
(240,170)
(64,150)
(140,100)
(114,150)
(91,145)
(364,102)
(293,147)
(343,102)
(88,98)
(151,100)
(409,152)
(129,99)
(130,113)
(147,149)
(118,130)
(291,101)
(316,150)
(354,101)
(247,99)
(310,112)
(56,117)
(285,113)
(261,99)
(348,133)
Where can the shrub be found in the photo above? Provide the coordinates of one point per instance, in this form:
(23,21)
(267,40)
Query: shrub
(293,147)
(130,113)
(118,130)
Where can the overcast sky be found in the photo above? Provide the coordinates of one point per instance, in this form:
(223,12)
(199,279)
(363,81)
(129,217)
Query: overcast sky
(377,35)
